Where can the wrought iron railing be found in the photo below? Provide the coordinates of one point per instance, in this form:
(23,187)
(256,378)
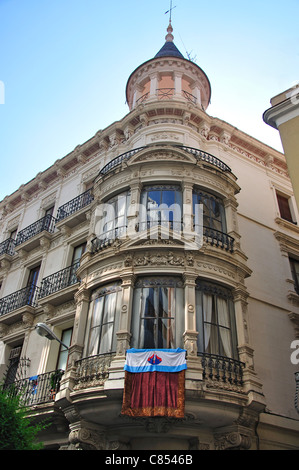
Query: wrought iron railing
(93,370)
(189,96)
(46,223)
(165,93)
(218,239)
(199,155)
(26,296)
(206,157)
(59,280)
(118,160)
(108,238)
(7,247)
(36,389)
(176,225)
(222,369)
(143,98)
(74,205)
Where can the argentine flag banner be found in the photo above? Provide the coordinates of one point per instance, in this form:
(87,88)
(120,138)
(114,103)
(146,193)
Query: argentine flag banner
(160,360)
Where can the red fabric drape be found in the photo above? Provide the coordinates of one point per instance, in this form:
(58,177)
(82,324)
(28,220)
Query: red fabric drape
(154,394)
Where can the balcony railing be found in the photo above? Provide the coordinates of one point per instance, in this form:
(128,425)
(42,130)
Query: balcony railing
(118,160)
(206,157)
(46,223)
(218,239)
(93,370)
(59,280)
(200,155)
(74,205)
(36,389)
(18,299)
(222,369)
(7,247)
(108,238)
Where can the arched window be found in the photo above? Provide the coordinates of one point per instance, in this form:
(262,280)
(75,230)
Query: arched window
(104,313)
(158,313)
(215,320)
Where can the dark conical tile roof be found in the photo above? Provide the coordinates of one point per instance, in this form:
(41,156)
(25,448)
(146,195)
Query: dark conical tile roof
(169,50)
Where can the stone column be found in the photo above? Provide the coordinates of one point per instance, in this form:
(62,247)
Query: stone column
(133,210)
(154,85)
(190,334)
(178,83)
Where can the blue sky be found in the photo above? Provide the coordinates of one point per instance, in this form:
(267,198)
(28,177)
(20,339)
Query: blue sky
(65,63)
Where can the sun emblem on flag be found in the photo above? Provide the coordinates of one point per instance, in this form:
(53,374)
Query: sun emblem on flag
(154,359)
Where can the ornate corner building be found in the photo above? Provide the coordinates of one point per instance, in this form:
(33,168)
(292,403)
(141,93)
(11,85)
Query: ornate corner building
(228,295)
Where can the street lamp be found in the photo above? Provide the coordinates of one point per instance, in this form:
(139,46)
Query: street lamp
(44,330)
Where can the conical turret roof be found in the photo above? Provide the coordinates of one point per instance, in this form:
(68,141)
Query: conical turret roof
(169,49)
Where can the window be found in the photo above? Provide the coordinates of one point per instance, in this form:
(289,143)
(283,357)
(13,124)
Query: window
(104,315)
(13,234)
(158,313)
(215,320)
(213,210)
(31,285)
(49,211)
(114,223)
(163,206)
(295,273)
(284,207)
(63,352)
(78,252)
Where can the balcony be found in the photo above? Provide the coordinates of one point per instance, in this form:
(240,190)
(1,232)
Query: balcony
(36,389)
(222,369)
(26,297)
(167,94)
(73,213)
(218,239)
(58,284)
(7,247)
(200,155)
(30,237)
(92,371)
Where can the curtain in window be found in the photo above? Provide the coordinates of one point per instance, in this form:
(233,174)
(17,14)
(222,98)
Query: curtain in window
(103,316)
(157,313)
(215,320)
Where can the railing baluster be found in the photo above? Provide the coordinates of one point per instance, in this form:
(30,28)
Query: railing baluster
(222,368)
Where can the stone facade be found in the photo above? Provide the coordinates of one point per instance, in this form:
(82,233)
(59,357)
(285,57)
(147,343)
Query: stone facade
(240,390)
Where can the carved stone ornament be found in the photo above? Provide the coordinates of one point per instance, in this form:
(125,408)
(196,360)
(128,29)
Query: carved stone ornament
(87,439)
(233,440)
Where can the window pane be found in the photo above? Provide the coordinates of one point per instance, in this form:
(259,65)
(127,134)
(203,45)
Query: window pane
(215,320)
(154,310)
(106,338)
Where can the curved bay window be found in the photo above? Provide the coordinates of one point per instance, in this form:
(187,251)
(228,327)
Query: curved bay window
(162,205)
(104,313)
(213,210)
(158,313)
(215,320)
